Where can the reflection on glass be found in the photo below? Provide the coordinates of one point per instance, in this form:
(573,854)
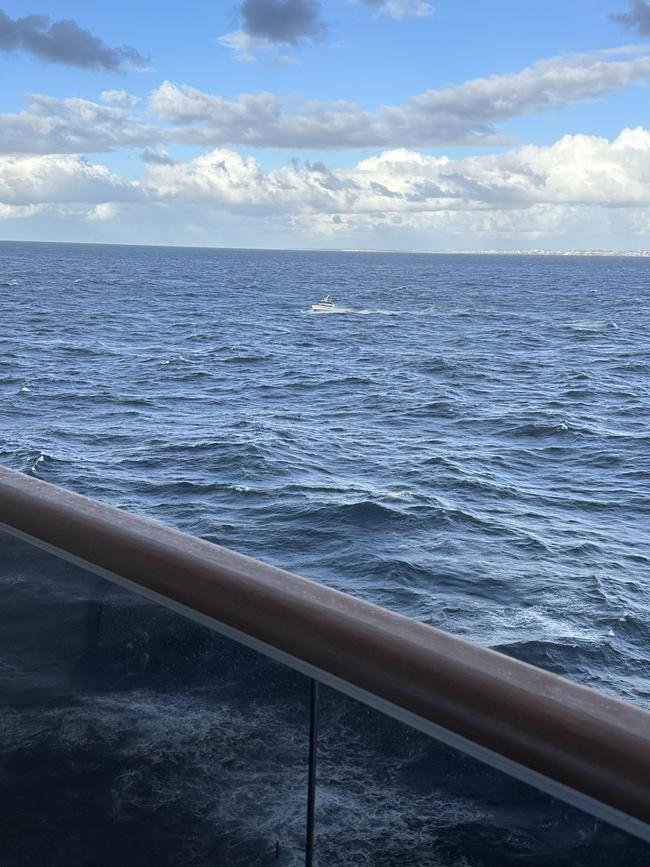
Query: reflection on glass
(388,795)
(130,735)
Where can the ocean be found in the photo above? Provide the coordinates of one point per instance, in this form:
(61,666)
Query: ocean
(464,439)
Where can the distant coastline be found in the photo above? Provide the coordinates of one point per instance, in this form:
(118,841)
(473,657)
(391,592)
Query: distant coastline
(643,254)
(542,252)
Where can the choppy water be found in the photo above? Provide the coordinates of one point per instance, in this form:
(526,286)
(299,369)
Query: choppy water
(465,440)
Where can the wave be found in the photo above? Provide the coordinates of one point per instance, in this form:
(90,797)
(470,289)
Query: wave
(177,359)
(368,514)
(436,364)
(356,311)
(538,429)
(506,448)
(586,325)
(436,409)
(246,359)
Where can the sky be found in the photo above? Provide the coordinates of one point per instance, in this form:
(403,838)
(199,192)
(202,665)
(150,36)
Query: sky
(327,124)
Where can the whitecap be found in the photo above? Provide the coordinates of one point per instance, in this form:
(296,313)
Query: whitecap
(39,460)
(177,358)
(592,325)
(354,311)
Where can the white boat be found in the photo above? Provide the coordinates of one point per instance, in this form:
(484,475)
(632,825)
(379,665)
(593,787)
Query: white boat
(325,305)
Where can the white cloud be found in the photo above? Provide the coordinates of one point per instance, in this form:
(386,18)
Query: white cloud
(460,114)
(18,212)
(37,180)
(50,125)
(121,98)
(244,46)
(247,48)
(576,170)
(400,8)
(454,229)
(396,198)
(103,212)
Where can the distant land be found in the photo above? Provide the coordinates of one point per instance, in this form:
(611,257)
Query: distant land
(643,254)
(541,252)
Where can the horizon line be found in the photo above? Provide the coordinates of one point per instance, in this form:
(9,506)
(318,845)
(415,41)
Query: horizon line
(484,251)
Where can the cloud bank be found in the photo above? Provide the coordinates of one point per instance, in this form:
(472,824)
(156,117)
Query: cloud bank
(65,42)
(580,191)
(575,170)
(462,114)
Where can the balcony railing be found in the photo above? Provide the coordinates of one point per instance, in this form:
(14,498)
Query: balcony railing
(573,743)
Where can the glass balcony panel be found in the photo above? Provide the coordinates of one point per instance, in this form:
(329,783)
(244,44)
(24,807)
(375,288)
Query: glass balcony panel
(389,795)
(130,735)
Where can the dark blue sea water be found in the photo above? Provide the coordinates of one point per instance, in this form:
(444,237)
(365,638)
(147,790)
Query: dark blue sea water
(465,440)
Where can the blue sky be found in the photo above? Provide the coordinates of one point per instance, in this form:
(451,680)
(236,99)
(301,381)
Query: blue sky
(516,136)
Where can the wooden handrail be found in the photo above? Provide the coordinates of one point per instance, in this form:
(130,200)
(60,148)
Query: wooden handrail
(580,744)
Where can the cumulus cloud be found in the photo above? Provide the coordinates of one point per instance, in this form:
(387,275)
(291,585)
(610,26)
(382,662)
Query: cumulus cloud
(576,170)
(121,98)
(50,125)
(637,18)
(460,114)
(400,8)
(37,180)
(578,185)
(466,114)
(65,42)
(103,212)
